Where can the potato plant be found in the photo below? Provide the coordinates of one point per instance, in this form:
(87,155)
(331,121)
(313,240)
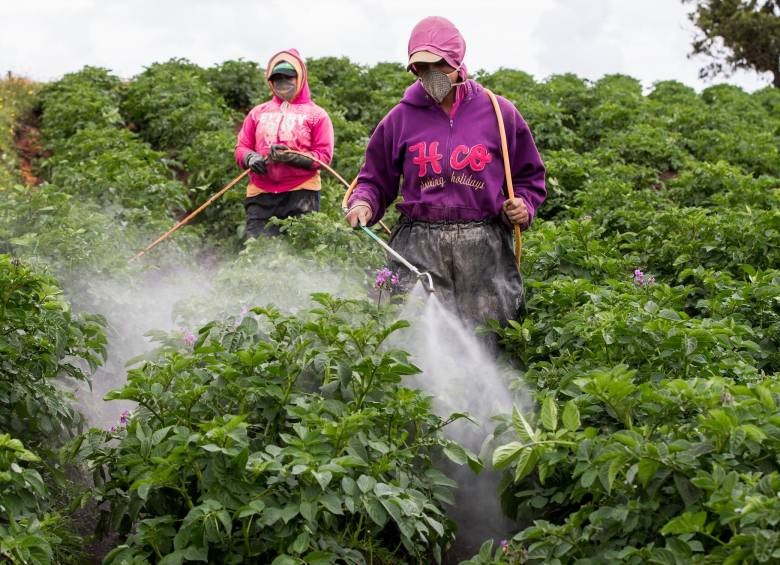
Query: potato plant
(277,438)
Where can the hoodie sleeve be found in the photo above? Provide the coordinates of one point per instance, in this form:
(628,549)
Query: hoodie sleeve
(379,177)
(246,139)
(524,160)
(322,139)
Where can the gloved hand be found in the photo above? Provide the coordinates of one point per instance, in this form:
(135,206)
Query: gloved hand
(359,213)
(256,162)
(281,154)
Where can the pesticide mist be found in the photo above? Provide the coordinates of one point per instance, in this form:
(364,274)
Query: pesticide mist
(462,375)
(173,300)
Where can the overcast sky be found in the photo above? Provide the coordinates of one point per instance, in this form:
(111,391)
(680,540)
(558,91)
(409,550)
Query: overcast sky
(647,39)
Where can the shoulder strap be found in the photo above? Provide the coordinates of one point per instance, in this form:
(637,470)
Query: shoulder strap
(507,171)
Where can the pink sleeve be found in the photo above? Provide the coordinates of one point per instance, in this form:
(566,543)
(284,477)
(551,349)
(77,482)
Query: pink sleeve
(322,140)
(246,139)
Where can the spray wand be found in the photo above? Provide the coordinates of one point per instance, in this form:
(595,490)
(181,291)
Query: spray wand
(425,278)
(422,277)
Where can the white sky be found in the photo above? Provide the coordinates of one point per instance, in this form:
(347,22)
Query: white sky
(647,39)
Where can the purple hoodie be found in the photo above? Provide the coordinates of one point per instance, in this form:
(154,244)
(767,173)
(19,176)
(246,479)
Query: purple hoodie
(451,168)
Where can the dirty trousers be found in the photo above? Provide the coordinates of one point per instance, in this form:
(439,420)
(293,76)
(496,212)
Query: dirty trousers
(472,265)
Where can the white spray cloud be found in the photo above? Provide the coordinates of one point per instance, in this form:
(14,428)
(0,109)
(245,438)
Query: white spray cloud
(458,370)
(184,294)
(462,374)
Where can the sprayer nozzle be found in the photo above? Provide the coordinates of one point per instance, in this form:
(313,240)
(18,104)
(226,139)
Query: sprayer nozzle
(427,279)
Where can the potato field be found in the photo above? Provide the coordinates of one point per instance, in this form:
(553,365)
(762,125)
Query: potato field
(273,419)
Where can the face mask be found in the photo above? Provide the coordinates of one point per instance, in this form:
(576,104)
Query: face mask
(284,87)
(437,84)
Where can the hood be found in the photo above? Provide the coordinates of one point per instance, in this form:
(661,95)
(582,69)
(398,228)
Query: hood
(440,36)
(293,57)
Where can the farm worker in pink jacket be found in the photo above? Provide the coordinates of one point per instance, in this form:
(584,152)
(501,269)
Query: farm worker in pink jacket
(282,183)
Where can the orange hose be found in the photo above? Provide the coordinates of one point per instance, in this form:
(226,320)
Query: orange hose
(230,185)
(350,187)
(507,172)
(200,208)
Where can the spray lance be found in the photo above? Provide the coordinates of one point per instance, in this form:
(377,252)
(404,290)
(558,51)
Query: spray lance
(425,278)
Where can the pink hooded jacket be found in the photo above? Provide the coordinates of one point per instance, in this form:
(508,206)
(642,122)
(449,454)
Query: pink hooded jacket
(300,125)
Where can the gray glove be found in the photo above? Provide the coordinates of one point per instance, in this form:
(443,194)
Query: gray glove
(256,162)
(281,154)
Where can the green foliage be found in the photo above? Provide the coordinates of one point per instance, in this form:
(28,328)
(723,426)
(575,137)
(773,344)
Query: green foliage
(318,237)
(240,83)
(89,97)
(27,533)
(570,93)
(171,102)
(643,144)
(721,184)
(209,165)
(363,94)
(74,236)
(42,345)
(41,340)
(277,437)
(671,470)
(510,83)
(114,168)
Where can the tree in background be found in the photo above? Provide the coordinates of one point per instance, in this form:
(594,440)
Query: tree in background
(738,34)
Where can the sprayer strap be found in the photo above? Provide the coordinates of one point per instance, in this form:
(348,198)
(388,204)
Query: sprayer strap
(507,171)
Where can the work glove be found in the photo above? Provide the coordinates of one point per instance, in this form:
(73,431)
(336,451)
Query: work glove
(256,162)
(359,213)
(281,154)
(516,211)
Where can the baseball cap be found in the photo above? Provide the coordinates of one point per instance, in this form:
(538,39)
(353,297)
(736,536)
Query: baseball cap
(423,57)
(283,68)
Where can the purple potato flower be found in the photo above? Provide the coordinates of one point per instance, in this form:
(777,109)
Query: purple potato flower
(642,279)
(188,337)
(124,417)
(382,276)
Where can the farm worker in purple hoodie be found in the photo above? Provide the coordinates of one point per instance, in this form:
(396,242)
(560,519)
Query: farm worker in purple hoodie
(281,183)
(441,145)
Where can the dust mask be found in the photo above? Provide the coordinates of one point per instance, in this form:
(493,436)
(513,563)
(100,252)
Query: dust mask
(437,84)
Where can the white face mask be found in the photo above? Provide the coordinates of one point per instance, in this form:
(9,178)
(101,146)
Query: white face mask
(437,83)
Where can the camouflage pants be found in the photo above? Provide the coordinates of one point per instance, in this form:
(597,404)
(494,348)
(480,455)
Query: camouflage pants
(263,207)
(472,265)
